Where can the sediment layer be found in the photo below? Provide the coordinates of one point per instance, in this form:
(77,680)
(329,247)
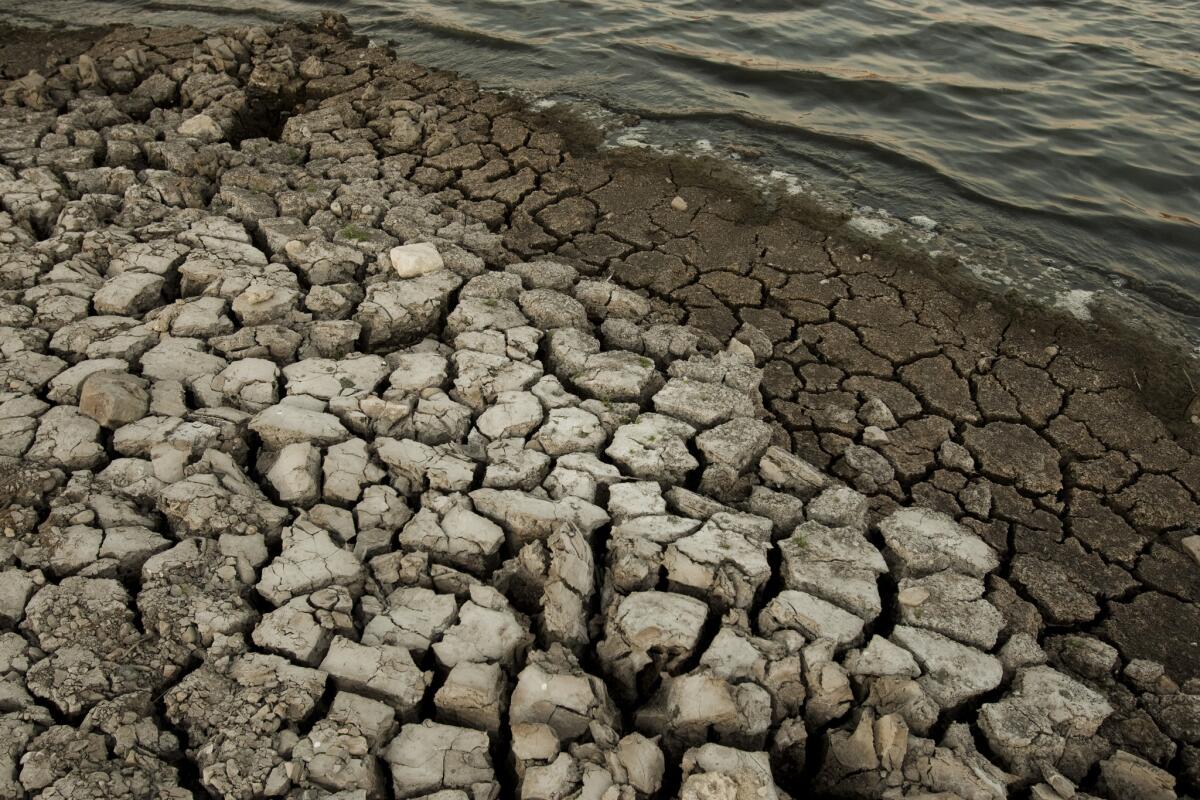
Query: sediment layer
(363,439)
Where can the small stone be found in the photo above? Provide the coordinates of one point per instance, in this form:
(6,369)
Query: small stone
(411,260)
(679,204)
(114,398)
(201,126)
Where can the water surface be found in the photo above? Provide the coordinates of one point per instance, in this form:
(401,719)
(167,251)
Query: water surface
(1069,130)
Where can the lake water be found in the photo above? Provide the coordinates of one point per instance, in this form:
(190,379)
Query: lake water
(1067,131)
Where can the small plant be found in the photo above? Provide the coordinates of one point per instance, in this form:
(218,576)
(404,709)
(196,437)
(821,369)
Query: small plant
(355,233)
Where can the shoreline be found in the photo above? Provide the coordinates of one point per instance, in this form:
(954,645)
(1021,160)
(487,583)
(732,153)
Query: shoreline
(353,412)
(1147,353)
(1138,354)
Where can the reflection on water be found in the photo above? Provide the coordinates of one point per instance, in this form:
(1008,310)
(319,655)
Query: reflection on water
(1071,126)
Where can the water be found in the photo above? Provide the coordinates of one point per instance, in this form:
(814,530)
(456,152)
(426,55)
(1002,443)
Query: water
(1068,131)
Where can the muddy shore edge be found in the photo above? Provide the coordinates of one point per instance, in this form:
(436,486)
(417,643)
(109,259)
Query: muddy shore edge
(369,435)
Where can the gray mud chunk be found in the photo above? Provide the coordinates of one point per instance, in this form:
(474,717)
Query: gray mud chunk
(871,470)
(114,398)
(182,360)
(296,474)
(251,384)
(570,430)
(716,772)
(782,470)
(643,629)
(310,561)
(323,263)
(548,309)
(224,708)
(284,424)
(488,631)
(694,506)
(953,605)
(635,499)
(700,404)
(527,518)
(412,372)
(837,564)
(415,466)
(840,507)
(514,414)
(18,423)
(428,757)
(302,628)
(216,604)
(512,465)
(688,709)
(1125,775)
(882,658)
(16,587)
(605,300)
(474,313)
(334,756)
(636,548)
(738,444)
(65,438)
(474,695)
(921,542)
(812,617)
(616,376)
(720,564)
(544,274)
(554,690)
(415,618)
(480,377)
(953,673)
(262,303)
(129,294)
(66,385)
(218,498)
(382,672)
(643,763)
(580,475)
(439,419)
(829,691)
(347,469)
(654,447)
(395,312)
(492,285)
(458,537)
(375,720)
(326,378)
(570,584)
(1046,718)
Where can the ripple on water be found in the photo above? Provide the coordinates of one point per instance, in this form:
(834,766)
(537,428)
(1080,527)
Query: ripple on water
(1069,127)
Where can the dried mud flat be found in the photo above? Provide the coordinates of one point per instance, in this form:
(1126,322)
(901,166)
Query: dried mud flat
(363,439)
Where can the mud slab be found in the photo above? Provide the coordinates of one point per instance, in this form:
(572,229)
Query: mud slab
(369,435)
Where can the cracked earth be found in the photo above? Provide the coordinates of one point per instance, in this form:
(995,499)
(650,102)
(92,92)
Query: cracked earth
(364,436)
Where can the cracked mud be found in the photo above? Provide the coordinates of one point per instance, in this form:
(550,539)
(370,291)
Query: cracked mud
(364,438)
